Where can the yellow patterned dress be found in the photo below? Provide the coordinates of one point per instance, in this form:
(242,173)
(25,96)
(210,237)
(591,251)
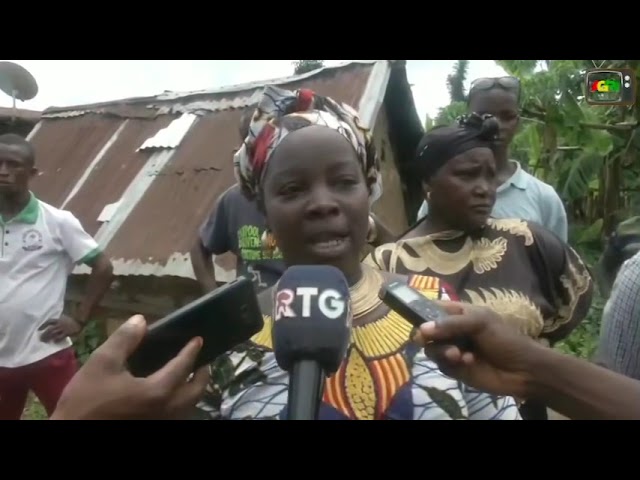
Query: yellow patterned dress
(384,376)
(521,270)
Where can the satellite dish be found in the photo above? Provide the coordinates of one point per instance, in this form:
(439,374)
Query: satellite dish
(17,82)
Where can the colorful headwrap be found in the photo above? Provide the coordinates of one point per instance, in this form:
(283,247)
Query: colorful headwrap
(280,112)
(442,143)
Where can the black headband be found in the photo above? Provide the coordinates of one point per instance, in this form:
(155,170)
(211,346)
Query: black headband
(441,144)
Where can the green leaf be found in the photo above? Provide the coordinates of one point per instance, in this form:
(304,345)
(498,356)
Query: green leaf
(601,142)
(573,114)
(448,115)
(518,68)
(532,138)
(593,233)
(581,171)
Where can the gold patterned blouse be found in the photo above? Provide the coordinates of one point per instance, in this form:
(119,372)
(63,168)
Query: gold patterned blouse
(384,376)
(521,270)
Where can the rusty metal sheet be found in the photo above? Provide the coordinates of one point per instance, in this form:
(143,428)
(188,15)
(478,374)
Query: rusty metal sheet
(115,171)
(345,85)
(64,150)
(166,219)
(171,136)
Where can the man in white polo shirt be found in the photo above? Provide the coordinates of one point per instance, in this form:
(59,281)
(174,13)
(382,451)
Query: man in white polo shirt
(39,246)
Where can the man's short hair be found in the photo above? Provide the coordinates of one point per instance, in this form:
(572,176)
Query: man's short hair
(15,140)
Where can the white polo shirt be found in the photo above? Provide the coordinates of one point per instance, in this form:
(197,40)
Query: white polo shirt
(38,250)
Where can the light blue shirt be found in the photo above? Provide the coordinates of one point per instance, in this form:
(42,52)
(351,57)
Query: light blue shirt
(528,198)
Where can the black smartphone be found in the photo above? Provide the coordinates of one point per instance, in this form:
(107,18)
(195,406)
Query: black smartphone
(223,318)
(414,306)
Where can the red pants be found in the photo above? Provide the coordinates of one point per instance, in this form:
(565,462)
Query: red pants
(47,378)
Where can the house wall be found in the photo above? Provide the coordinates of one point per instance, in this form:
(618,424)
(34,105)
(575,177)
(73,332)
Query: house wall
(152,297)
(390,207)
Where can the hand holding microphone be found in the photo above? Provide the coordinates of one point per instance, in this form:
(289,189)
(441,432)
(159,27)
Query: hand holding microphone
(312,329)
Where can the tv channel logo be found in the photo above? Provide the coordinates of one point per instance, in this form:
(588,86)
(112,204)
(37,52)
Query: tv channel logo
(610,87)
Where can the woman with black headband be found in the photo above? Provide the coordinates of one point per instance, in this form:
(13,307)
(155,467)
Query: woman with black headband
(518,268)
(519,194)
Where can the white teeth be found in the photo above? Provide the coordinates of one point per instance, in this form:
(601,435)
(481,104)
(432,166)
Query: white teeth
(330,243)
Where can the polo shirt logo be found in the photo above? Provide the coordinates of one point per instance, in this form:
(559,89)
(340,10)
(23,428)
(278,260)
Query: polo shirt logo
(31,240)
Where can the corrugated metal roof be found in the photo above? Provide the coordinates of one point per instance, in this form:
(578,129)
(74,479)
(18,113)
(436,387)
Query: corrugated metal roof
(159,163)
(171,135)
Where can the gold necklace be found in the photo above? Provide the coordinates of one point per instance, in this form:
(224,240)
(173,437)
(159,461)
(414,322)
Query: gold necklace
(364,294)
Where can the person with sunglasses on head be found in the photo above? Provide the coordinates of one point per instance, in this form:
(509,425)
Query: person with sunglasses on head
(521,270)
(520,194)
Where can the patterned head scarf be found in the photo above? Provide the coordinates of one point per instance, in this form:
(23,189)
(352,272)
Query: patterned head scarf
(280,112)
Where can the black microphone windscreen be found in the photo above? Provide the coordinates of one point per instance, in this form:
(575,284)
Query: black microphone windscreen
(312,317)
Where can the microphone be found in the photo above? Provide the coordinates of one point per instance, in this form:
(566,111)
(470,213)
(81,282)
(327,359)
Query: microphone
(311,332)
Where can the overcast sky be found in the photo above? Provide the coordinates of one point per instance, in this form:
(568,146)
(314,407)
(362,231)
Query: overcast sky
(65,83)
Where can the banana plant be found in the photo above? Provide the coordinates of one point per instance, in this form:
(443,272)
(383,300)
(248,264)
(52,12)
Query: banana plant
(588,153)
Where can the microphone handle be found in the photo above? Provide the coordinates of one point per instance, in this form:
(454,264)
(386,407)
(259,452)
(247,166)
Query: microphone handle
(306,387)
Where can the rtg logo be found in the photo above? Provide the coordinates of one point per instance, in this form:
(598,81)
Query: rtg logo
(330,303)
(610,87)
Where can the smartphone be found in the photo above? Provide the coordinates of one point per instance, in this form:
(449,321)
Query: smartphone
(223,318)
(414,306)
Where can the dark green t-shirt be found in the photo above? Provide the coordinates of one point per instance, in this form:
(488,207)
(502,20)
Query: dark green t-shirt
(236,225)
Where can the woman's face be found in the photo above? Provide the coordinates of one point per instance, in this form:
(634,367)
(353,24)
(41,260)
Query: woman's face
(316,200)
(463,191)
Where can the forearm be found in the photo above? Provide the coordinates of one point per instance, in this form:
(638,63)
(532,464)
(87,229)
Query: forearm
(581,390)
(203,269)
(99,282)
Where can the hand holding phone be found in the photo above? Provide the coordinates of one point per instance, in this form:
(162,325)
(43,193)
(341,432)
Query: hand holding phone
(223,319)
(414,307)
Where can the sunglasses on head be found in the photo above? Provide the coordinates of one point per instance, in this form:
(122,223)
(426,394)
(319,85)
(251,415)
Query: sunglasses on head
(511,84)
